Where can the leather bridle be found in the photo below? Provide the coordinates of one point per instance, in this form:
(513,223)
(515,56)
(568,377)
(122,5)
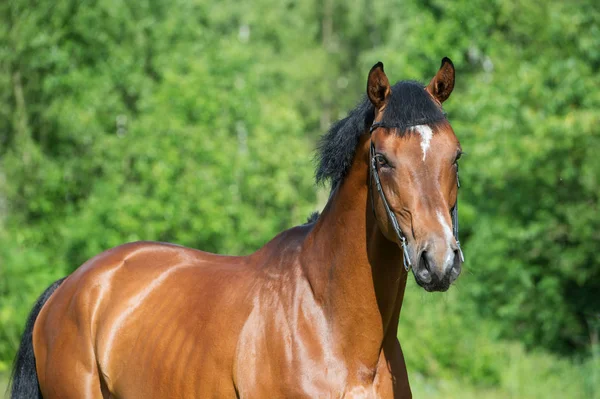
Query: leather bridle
(391,216)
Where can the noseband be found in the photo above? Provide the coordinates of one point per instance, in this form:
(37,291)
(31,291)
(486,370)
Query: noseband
(401,237)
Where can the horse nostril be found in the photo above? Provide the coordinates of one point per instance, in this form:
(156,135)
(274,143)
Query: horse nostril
(424,273)
(423,262)
(456,266)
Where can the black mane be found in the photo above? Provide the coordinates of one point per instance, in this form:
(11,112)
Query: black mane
(408,105)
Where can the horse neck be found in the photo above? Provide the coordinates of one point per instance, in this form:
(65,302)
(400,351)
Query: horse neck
(355,273)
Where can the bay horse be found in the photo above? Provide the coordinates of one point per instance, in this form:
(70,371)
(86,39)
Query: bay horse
(314,313)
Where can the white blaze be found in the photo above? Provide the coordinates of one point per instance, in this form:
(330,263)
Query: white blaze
(426,134)
(449,236)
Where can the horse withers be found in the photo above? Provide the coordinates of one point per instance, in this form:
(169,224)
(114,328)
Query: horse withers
(313,313)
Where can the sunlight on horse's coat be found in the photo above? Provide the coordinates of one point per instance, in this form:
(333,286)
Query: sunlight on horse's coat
(134,303)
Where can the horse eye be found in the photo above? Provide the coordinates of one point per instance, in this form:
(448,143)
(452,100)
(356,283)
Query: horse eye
(382,161)
(458,155)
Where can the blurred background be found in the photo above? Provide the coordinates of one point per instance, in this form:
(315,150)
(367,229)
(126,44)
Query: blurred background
(195,122)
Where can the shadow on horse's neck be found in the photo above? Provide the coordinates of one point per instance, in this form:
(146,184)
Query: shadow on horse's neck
(354,271)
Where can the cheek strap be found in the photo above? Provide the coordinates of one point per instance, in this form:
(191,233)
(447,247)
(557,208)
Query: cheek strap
(391,216)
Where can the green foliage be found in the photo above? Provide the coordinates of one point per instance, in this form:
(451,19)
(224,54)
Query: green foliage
(3,385)
(535,237)
(451,352)
(194,122)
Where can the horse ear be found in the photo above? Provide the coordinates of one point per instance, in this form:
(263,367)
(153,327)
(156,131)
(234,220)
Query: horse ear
(442,83)
(378,86)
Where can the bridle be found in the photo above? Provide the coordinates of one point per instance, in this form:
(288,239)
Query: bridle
(391,216)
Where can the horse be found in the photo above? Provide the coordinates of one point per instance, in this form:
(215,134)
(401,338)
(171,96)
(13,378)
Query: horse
(313,313)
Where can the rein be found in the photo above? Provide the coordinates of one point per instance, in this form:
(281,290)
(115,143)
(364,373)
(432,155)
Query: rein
(401,237)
